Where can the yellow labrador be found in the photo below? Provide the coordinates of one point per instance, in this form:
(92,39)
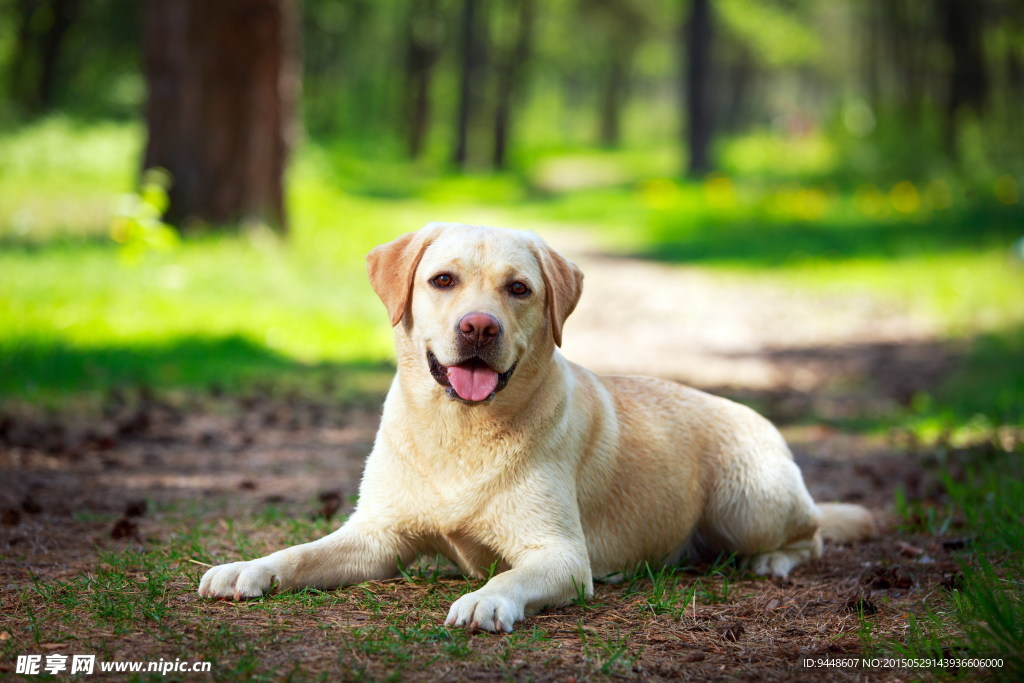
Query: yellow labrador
(497,452)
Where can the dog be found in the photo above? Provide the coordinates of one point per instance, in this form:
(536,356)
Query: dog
(497,452)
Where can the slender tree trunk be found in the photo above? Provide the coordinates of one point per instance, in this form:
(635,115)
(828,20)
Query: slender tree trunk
(697,37)
(904,44)
(472,54)
(734,110)
(511,76)
(42,26)
(64,13)
(20,68)
(223,85)
(873,48)
(613,96)
(1014,80)
(422,52)
(968,77)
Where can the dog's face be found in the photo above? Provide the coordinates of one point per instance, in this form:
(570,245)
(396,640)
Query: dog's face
(477,304)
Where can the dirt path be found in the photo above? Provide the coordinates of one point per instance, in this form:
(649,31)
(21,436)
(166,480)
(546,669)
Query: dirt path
(262,460)
(710,330)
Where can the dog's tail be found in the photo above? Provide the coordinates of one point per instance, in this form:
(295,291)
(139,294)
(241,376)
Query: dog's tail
(845,523)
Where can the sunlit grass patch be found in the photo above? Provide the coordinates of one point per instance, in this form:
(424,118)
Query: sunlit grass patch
(78,318)
(60,178)
(768,154)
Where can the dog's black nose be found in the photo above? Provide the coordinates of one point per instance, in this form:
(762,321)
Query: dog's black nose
(479,329)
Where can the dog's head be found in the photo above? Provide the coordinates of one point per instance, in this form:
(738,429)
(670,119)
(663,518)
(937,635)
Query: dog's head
(475,304)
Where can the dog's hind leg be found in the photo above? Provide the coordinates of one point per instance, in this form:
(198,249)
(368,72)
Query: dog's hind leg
(780,562)
(760,509)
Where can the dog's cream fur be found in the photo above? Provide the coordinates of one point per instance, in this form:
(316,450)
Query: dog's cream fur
(561,477)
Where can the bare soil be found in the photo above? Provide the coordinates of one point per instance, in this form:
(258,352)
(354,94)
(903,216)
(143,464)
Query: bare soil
(76,486)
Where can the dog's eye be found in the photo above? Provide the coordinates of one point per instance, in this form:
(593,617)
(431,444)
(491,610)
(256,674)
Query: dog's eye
(518,289)
(442,281)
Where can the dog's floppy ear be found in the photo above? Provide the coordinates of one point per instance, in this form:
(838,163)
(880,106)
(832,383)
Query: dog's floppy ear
(563,281)
(392,266)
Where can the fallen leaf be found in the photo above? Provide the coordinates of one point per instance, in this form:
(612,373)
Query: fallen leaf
(909,550)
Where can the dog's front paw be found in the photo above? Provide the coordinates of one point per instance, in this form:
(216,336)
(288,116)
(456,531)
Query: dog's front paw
(478,610)
(239,580)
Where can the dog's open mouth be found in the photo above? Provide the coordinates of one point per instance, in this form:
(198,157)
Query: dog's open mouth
(472,380)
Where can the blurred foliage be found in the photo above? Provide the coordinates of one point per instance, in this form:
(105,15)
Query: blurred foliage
(137,226)
(777,35)
(882,81)
(93,49)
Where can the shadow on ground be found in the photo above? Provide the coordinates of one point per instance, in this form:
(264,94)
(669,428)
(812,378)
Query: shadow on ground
(34,369)
(766,241)
(865,386)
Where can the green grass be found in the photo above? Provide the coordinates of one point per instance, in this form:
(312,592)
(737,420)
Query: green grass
(666,596)
(77,316)
(981,615)
(608,654)
(61,178)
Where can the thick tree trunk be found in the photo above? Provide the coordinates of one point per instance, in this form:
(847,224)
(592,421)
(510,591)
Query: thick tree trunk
(510,78)
(698,39)
(223,83)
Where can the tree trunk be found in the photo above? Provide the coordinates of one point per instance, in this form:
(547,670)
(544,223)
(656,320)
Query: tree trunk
(510,78)
(223,82)
(613,96)
(968,78)
(64,13)
(874,53)
(20,64)
(38,42)
(697,36)
(422,51)
(472,54)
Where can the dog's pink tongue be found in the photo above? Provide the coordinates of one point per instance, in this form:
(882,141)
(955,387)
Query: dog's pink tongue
(472,382)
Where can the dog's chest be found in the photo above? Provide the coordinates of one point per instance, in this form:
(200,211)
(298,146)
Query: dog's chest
(458,471)
(456,497)
(456,515)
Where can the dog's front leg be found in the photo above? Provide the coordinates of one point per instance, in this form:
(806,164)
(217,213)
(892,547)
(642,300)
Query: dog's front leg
(359,551)
(543,577)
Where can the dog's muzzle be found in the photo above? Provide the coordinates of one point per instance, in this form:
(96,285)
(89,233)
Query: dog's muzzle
(471,381)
